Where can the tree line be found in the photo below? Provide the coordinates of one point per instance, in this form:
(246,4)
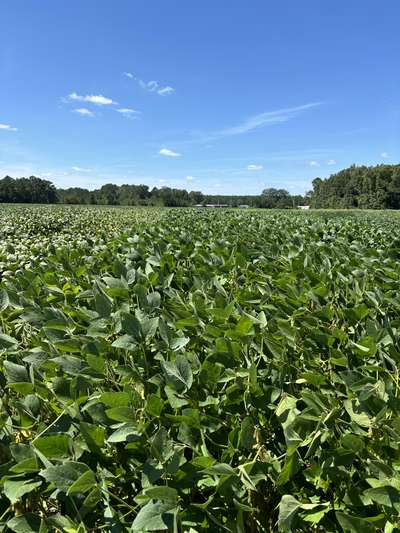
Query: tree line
(37,190)
(362,187)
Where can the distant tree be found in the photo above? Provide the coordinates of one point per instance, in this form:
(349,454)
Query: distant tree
(8,192)
(362,187)
(276,198)
(36,190)
(27,190)
(75,195)
(195,197)
(108,194)
(72,199)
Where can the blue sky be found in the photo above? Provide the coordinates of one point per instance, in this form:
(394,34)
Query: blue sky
(223,96)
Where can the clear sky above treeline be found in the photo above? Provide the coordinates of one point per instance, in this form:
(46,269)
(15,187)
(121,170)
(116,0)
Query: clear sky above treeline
(220,96)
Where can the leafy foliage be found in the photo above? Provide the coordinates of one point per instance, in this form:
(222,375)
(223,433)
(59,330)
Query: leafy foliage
(190,371)
(362,187)
(37,190)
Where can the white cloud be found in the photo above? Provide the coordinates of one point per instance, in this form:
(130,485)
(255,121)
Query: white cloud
(332,162)
(83,111)
(314,164)
(128,75)
(128,112)
(7,127)
(153,86)
(255,167)
(80,169)
(385,155)
(169,153)
(166,90)
(266,119)
(97,99)
(190,178)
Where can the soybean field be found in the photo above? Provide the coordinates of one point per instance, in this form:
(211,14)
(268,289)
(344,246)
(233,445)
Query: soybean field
(193,370)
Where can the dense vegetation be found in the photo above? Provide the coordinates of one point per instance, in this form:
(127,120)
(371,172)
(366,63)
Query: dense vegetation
(198,371)
(359,187)
(27,191)
(35,190)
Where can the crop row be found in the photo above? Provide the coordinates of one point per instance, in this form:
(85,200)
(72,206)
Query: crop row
(204,371)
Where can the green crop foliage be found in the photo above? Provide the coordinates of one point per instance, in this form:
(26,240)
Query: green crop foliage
(197,371)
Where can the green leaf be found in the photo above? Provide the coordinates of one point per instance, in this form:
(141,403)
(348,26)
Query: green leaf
(178,342)
(221,469)
(83,484)
(155,516)
(4,300)
(149,327)
(7,342)
(68,345)
(103,304)
(14,489)
(154,405)
(352,442)
(386,496)
(162,446)
(247,439)
(125,433)
(64,475)
(126,342)
(115,399)
(288,509)
(121,414)
(27,523)
(290,468)
(353,524)
(178,373)
(162,493)
(361,419)
(53,446)
(131,325)
(93,435)
(15,373)
(244,326)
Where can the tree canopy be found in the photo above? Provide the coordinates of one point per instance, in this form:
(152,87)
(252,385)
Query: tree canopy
(27,191)
(376,187)
(37,190)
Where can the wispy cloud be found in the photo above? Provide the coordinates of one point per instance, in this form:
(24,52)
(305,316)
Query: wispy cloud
(332,162)
(154,87)
(266,119)
(97,99)
(7,127)
(255,167)
(385,155)
(169,153)
(80,169)
(190,178)
(84,112)
(314,164)
(166,90)
(128,75)
(128,112)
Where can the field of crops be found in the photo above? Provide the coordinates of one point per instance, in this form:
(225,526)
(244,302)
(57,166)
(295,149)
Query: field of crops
(193,370)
